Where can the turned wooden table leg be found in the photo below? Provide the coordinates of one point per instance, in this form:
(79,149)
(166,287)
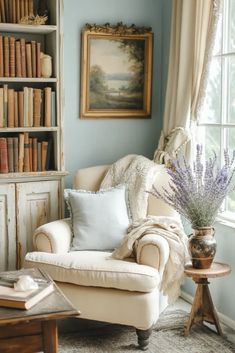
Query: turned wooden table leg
(50,336)
(143,338)
(203,308)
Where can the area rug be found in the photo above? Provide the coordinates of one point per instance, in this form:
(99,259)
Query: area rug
(167,337)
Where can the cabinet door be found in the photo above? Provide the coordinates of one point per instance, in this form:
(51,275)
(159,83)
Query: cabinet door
(37,203)
(7,227)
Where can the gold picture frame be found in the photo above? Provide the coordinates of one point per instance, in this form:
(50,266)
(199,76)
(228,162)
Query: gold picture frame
(116,71)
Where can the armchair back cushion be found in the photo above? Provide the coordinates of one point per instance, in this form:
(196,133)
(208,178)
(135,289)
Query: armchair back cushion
(91,178)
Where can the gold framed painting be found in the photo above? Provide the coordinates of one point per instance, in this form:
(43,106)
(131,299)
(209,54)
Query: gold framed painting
(116,71)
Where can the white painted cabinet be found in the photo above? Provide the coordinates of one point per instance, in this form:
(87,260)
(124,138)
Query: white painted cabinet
(23,208)
(7,227)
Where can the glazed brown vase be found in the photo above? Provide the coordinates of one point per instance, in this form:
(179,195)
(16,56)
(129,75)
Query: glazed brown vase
(202,247)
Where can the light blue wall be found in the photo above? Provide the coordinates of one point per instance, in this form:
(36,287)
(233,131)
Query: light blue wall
(93,142)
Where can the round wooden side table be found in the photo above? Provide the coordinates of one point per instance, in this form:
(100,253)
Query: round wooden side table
(203,308)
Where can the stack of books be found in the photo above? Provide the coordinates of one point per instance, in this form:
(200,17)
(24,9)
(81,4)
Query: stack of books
(24,154)
(31,107)
(11,298)
(19,58)
(11,11)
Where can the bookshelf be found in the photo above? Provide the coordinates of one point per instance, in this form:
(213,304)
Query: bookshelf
(31,126)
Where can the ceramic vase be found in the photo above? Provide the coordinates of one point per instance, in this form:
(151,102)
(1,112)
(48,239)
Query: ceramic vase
(202,247)
(46,65)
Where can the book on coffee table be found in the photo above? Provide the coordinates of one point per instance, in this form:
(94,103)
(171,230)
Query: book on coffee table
(11,298)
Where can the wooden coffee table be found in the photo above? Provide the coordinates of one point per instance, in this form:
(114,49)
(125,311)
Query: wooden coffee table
(203,308)
(34,330)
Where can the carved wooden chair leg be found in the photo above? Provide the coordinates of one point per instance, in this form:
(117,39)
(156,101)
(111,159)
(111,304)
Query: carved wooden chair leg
(143,338)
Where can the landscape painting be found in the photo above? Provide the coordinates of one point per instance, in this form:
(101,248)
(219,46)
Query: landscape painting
(116,76)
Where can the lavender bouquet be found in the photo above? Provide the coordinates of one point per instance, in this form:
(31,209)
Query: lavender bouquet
(197,193)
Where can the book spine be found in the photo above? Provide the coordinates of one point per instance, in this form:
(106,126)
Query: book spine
(1,57)
(22,14)
(35,154)
(47,102)
(1,108)
(16,154)
(53,109)
(5,105)
(6,56)
(37,99)
(3,155)
(10,154)
(7,11)
(21,108)
(34,58)
(23,57)
(38,49)
(48,157)
(16,112)
(31,8)
(39,150)
(21,153)
(26,8)
(14,11)
(11,108)
(17,11)
(44,154)
(31,154)
(12,57)
(26,153)
(10,15)
(28,60)
(26,106)
(18,59)
(3,11)
(30,106)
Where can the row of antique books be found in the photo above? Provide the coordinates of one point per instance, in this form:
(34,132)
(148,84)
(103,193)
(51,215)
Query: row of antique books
(24,154)
(19,58)
(12,11)
(31,107)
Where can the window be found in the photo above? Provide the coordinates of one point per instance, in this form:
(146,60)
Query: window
(216,130)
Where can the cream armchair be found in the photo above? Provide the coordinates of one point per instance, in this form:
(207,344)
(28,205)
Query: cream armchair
(103,288)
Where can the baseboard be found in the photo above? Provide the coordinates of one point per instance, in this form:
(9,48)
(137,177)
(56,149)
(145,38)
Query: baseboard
(223,318)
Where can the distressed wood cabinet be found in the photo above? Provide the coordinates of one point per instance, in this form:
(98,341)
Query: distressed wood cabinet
(32,196)
(23,208)
(7,227)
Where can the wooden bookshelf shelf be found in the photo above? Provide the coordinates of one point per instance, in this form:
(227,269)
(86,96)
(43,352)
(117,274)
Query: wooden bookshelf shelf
(35,175)
(28,79)
(31,29)
(29,129)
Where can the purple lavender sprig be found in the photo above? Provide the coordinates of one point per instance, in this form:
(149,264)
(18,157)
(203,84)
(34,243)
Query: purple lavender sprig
(198,193)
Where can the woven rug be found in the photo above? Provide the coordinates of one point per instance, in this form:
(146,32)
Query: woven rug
(167,337)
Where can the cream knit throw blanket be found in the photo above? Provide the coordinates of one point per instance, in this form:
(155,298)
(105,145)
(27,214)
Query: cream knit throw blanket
(172,272)
(139,174)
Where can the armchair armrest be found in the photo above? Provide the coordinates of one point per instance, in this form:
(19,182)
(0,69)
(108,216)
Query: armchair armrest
(153,250)
(53,237)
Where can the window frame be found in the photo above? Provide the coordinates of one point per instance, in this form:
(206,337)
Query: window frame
(223,124)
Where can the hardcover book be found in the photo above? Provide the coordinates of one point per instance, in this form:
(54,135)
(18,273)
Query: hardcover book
(11,298)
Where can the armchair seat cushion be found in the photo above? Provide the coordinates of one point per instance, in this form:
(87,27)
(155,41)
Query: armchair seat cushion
(95,269)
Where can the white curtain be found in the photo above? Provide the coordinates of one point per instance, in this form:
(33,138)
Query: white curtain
(193,27)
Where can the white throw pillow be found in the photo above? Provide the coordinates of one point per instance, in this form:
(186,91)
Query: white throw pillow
(99,219)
